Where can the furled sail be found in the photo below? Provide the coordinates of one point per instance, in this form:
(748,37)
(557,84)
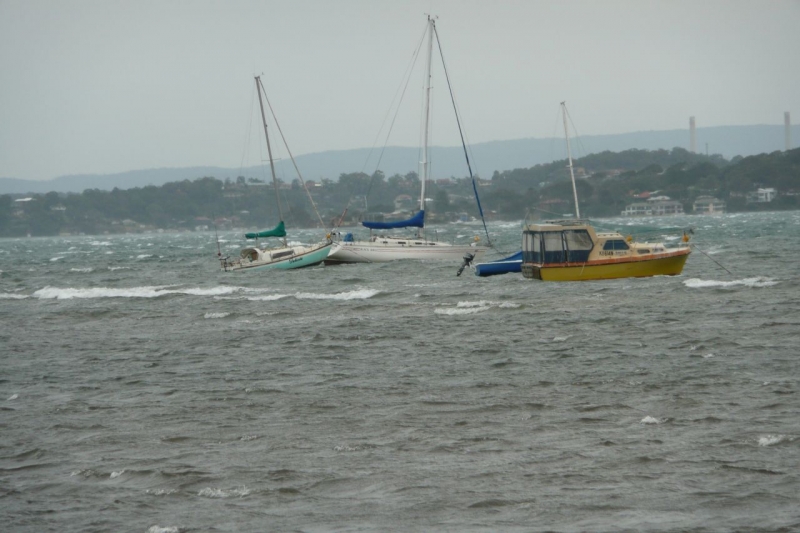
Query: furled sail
(417,221)
(277,231)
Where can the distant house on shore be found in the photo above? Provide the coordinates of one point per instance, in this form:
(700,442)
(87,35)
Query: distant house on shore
(761,196)
(707,205)
(654,206)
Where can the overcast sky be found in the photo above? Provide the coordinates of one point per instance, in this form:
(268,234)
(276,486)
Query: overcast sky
(109,86)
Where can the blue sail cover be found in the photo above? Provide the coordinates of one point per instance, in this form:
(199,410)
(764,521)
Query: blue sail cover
(417,221)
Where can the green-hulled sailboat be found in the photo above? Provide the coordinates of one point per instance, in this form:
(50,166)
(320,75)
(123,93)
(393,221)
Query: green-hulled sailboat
(280,257)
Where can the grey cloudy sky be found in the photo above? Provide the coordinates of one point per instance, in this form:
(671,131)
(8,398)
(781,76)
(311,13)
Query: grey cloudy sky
(109,86)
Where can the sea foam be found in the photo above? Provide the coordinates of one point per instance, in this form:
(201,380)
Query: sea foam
(216,315)
(159,529)
(267,298)
(454,311)
(652,420)
(470,308)
(696,283)
(771,440)
(50,293)
(8,296)
(208,492)
(360,294)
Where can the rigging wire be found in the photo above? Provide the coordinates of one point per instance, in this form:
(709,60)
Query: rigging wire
(461,133)
(277,124)
(404,85)
(577,136)
(401,89)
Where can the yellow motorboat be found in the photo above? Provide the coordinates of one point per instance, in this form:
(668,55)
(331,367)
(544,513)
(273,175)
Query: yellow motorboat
(571,250)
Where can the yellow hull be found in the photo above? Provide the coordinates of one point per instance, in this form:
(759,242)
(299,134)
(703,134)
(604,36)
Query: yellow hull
(635,268)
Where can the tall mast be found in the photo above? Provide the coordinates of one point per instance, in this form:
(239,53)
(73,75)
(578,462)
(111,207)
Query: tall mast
(259,88)
(569,157)
(427,118)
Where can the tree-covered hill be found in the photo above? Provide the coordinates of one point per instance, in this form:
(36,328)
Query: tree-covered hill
(606,183)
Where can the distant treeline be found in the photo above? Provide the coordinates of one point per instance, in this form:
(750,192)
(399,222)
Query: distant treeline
(607,182)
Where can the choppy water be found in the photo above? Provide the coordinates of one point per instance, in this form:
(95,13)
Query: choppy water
(143,390)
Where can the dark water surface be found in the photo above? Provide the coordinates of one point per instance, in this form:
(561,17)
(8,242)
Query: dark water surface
(143,390)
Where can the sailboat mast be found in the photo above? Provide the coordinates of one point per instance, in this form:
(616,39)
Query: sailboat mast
(569,157)
(259,88)
(427,119)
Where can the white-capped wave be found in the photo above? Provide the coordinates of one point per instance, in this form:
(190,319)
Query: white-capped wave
(696,283)
(480,303)
(652,420)
(469,308)
(9,296)
(160,492)
(208,492)
(213,291)
(159,529)
(117,474)
(100,243)
(12,397)
(83,270)
(132,292)
(267,298)
(52,259)
(452,311)
(360,294)
(216,315)
(118,268)
(144,256)
(771,440)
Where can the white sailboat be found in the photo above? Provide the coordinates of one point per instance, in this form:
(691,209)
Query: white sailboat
(380,248)
(281,257)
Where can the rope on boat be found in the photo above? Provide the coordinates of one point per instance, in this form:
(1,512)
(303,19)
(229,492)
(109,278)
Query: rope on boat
(717,262)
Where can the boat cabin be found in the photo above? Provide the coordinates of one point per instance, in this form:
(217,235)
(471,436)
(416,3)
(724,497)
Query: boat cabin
(567,241)
(560,242)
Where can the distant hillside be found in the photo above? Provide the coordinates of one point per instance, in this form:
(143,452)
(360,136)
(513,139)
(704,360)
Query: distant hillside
(728,141)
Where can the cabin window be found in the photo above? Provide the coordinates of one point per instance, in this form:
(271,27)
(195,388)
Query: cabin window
(532,247)
(553,245)
(615,244)
(578,244)
(282,254)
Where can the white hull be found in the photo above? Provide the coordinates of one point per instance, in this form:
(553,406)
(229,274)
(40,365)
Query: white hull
(282,258)
(382,250)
